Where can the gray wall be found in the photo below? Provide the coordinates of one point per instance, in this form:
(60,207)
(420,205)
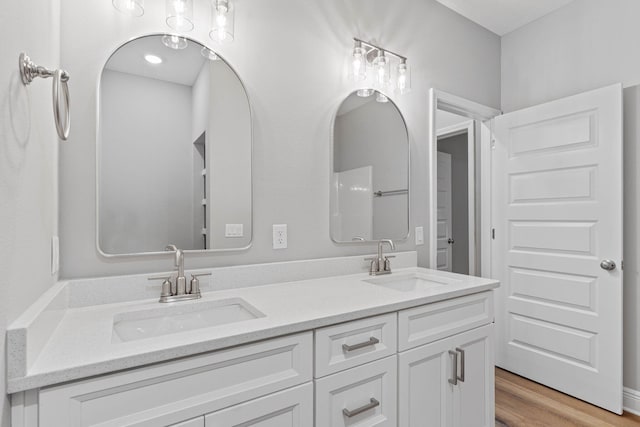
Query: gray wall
(146,164)
(374,134)
(292,55)
(585,45)
(457,146)
(28,164)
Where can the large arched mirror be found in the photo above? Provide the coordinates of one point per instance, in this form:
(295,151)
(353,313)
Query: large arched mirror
(174,151)
(370,165)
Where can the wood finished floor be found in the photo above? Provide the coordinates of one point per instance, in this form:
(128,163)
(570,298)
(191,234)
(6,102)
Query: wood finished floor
(523,403)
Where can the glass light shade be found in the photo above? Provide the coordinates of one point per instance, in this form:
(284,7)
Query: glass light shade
(222,12)
(180,15)
(209,54)
(130,7)
(381,98)
(403,79)
(174,42)
(364,93)
(381,70)
(359,63)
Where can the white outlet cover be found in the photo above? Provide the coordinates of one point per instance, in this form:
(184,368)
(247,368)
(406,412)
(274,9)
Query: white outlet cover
(419,236)
(279,236)
(234,230)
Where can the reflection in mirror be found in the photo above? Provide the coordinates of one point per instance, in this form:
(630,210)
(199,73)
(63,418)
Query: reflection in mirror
(370,181)
(174,151)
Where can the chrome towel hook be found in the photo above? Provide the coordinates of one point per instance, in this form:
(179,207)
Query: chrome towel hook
(61,99)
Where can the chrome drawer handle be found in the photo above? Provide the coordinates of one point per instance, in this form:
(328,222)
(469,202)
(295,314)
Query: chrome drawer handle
(454,368)
(373,403)
(461,351)
(372,341)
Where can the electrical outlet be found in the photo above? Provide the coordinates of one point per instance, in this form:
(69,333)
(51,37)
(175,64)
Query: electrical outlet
(279,236)
(419,236)
(234,230)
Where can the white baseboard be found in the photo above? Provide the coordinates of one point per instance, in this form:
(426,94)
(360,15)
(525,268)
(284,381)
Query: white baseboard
(631,401)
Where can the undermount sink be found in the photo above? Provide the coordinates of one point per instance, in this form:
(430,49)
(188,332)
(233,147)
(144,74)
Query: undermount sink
(141,324)
(408,282)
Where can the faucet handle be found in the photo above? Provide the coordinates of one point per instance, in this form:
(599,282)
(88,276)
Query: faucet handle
(166,285)
(194,285)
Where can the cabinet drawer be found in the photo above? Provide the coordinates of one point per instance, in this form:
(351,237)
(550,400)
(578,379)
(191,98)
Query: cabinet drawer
(289,408)
(172,392)
(363,396)
(351,344)
(428,323)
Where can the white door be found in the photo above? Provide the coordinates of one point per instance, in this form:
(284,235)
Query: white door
(557,214)
(444,230)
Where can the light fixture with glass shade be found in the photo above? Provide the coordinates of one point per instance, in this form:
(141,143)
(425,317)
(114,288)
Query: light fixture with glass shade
(222,21)
(180,15)
(367,55)
(174,41)
(130,7)
(209,54)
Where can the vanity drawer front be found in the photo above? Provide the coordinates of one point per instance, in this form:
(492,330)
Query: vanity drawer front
(365,395)
(289,408)
(351,344)
(431,322)
(172,392)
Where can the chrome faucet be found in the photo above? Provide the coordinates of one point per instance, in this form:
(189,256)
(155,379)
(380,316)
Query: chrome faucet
(381,264)
(179,290)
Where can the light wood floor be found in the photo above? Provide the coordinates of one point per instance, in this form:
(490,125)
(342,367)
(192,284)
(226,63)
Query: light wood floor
(523,403)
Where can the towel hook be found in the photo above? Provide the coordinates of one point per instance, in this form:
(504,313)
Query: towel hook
(61,98)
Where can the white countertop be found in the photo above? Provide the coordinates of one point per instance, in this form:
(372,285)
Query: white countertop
(81,344)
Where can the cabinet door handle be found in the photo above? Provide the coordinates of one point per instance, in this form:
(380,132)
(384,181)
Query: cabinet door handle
(461,351)
(372,404)
(372,341)
(454,368)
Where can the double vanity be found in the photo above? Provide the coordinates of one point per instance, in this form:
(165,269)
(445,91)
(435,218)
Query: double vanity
(413,347)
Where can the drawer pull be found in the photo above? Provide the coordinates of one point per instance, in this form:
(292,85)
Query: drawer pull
(454,368)
(373,403)
(372,341)
(461,376)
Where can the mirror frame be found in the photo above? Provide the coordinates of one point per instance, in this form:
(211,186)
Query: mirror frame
(99,142)
(331,171)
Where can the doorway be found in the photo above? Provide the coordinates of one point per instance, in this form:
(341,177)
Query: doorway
(456,162)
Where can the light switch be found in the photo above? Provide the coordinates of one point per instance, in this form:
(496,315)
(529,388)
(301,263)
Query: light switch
(419,236)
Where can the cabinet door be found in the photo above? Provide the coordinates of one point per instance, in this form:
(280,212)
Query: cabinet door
(289,408)
(424,390)
(364,396)
(473,397)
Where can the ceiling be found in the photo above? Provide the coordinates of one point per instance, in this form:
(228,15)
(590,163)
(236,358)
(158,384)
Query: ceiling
(503,16)
(178,66)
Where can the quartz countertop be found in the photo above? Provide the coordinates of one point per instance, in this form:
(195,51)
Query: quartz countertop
(81,344)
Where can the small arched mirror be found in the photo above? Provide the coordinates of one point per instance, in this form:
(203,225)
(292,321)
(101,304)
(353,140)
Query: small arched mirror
(370,165)
(174,150)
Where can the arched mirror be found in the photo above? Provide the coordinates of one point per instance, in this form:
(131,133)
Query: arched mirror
(174,151)
(370,165)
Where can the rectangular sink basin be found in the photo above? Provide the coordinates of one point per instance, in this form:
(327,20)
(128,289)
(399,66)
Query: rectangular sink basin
(153,322)
(409,282)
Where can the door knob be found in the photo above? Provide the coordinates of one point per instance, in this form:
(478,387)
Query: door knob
(451,241)
(608,265)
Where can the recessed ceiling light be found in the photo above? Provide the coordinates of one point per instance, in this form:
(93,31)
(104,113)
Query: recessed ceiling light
(153,59)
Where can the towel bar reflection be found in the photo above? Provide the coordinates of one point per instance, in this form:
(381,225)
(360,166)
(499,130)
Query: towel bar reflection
(390,193)
(61,99)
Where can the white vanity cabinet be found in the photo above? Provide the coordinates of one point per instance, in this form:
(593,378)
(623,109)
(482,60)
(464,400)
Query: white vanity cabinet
(448,381)
(430,365)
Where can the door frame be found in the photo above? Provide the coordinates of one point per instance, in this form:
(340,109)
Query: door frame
(440,100)
(467,127)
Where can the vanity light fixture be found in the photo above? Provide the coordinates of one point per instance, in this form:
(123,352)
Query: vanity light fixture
(373,62)
(130,7)
(153,59)
(180,15)
(174,41)
(209,54)
(222,22)
(380,97)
